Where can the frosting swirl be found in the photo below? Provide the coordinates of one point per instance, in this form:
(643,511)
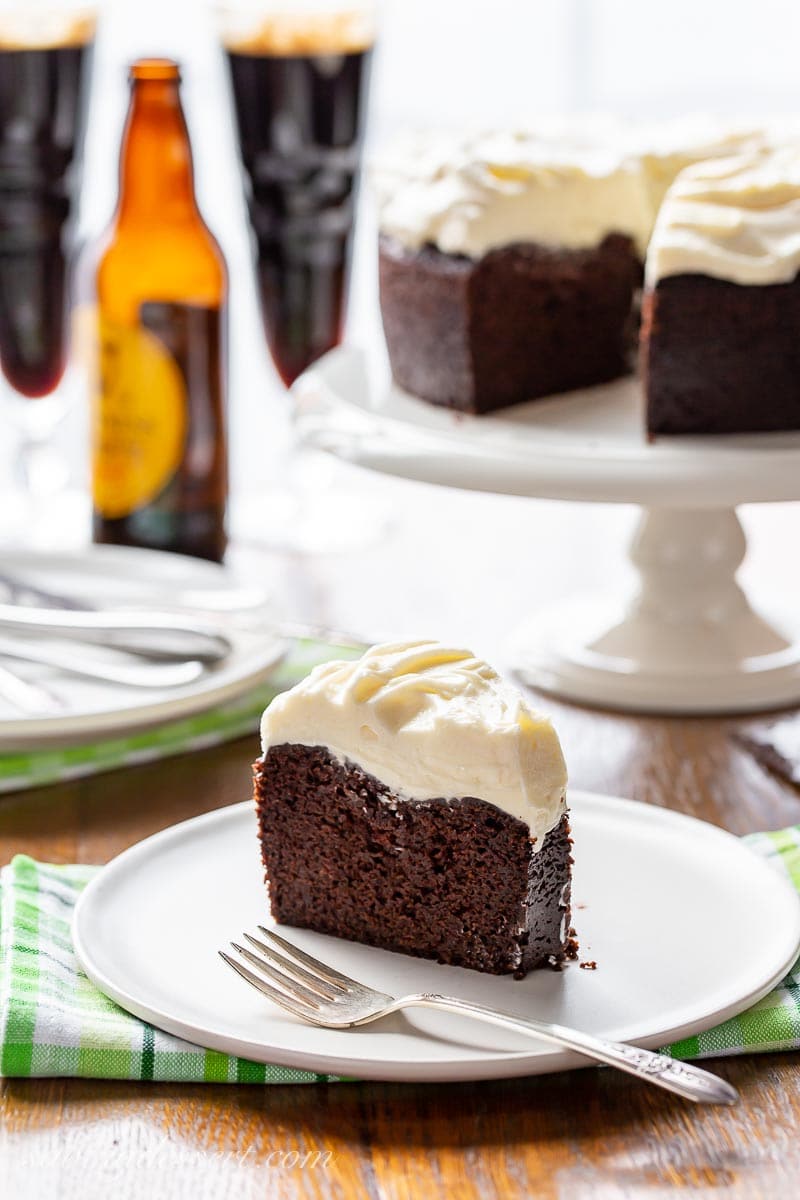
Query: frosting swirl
(501,189)
(564,186)
(736,219)
(432,722)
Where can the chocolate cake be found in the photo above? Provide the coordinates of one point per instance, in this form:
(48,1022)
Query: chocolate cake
(721,327)
(478,335)
(719,357)
(508,272)
(412,801)
(510,265)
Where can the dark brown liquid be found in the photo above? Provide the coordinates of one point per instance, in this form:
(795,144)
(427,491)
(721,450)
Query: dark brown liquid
(300,120)
(39,110)
(188,516)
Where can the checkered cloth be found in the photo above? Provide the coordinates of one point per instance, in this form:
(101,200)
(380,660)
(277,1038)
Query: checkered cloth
(53,1021)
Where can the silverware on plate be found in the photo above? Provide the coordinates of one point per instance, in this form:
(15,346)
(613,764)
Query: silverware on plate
(315,992)
(234,598)
(33,699)
(184,605)
(183,633)
(121,668)
(150,634)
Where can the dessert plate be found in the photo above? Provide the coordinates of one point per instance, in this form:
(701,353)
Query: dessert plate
(101,575)
(687,927)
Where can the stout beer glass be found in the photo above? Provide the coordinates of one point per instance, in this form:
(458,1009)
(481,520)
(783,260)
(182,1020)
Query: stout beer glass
(44,51)
(299,73)
(299,79)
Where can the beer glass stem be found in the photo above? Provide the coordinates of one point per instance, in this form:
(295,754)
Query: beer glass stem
(38,471)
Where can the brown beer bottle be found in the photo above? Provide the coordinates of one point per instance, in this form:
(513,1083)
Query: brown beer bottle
(159,462)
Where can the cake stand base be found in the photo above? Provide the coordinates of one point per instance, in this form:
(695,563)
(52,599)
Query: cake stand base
(689,642)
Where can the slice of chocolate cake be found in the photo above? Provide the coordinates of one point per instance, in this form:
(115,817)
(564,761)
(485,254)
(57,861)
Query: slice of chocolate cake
(521,322)
(721,315)
(509,273)
(411,800)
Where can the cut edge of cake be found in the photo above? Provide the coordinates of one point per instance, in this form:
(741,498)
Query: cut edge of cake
(720,351)
(412,801)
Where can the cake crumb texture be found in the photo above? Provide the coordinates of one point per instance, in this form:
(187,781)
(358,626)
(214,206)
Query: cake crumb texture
(455,880)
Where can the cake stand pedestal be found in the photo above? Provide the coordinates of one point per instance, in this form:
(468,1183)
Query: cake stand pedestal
(689,640)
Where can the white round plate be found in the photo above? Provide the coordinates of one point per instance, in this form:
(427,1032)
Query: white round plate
(583,445)
(124,576)
(687,927)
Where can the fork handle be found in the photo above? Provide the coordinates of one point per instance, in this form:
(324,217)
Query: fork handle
(687,1080)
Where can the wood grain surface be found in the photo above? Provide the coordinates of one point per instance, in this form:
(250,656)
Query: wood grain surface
(579,1134)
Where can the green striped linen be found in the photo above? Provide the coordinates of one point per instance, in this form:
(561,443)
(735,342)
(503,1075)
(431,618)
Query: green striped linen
(233,719)
(53,1021)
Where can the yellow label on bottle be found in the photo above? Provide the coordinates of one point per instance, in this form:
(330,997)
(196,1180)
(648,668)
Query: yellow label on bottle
(139,417)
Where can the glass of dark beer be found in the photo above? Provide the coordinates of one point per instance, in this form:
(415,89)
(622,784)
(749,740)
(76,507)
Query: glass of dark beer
(44,51)
(299,74)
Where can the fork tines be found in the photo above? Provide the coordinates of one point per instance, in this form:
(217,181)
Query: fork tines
(305,983)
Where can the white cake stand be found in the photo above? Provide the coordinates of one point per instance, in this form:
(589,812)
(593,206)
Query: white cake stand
(689,640)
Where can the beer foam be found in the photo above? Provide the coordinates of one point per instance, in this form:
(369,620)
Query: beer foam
(55,28)
(315,32)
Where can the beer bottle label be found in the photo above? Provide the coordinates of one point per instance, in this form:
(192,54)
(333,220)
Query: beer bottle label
(140,418)
(158,422)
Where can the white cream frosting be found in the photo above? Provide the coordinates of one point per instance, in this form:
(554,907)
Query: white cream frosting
(431,722)
(662,150)
(500,189)
(563,186)
(736,219)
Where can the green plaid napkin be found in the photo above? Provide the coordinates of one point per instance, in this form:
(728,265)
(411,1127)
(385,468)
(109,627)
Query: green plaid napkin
(53,1021)
(234,719)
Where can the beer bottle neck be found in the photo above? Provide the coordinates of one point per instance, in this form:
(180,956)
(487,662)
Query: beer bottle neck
(156,177)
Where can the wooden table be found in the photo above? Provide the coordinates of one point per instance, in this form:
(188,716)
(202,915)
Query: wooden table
(585,1133)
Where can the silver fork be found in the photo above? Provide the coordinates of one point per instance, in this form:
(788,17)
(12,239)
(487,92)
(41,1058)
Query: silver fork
(317,993)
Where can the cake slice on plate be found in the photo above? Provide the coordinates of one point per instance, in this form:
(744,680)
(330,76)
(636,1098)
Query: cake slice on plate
(413,801)
(721,313)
